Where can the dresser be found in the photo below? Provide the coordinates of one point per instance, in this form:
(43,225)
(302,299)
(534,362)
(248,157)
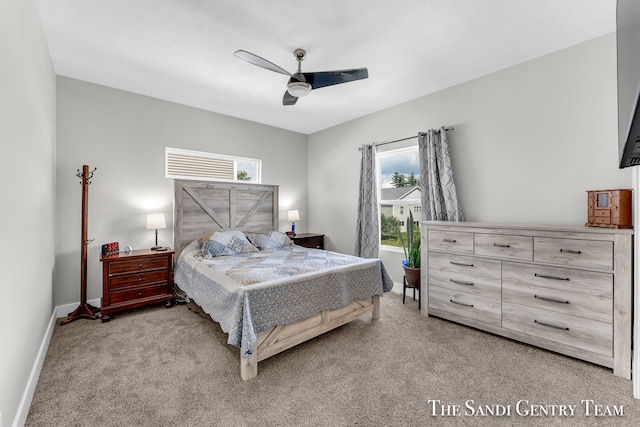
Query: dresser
(308,240)
(136,279)
(563,288)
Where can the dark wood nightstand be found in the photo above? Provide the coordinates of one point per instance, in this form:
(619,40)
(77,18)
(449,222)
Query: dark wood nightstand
(309,240)
(135,279)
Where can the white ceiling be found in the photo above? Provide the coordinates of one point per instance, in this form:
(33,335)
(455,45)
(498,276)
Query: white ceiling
(182,50)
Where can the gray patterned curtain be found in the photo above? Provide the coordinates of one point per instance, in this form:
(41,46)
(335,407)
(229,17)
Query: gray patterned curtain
(438,191)
(368,229)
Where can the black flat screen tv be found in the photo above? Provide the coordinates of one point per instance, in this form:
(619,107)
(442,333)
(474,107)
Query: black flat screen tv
(628,45)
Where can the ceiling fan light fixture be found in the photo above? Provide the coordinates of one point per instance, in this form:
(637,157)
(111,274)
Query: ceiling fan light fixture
(298,89)
(299,85)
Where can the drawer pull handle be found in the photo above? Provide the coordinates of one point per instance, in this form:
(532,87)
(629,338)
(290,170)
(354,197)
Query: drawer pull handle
(457,282)
(559,301)
(462,264)
(548,325)
(140,265)
(139,294)
(449,240)
(499,245)
(542,276)
(461,303)
(570,251)
(139,279)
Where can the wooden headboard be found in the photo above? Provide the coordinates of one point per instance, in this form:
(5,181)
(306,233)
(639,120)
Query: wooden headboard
(204,206)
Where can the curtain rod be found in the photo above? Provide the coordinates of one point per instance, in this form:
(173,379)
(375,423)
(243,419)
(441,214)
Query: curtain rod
(450,128)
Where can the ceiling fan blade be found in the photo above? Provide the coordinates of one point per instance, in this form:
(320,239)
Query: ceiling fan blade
(260,62)
(328,78)
(289,99)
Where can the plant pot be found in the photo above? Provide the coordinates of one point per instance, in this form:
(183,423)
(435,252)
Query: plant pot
(412,276)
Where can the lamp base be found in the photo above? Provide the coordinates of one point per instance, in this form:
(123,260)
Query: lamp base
(155,248)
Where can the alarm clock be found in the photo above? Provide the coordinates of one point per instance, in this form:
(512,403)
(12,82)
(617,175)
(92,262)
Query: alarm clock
(110,248)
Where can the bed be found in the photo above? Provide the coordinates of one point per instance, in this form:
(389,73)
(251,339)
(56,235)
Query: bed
(267,294)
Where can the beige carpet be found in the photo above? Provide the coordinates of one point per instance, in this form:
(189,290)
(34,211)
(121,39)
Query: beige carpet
(172,367)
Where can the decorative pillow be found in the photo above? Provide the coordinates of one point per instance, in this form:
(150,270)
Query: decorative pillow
(270,240)
(200,242)
(205,237)
(226,243)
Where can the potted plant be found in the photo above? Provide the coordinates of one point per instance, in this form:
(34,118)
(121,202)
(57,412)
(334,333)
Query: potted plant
(411,263)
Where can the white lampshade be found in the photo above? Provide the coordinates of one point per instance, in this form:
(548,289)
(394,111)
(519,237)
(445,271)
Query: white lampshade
(156,221)
(293,215)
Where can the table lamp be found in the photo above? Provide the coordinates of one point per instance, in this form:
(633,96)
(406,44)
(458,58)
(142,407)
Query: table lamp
(156,221)
(293,216)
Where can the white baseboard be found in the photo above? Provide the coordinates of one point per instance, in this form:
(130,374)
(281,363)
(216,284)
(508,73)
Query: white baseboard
(27,396)
(397,288)
(64,310)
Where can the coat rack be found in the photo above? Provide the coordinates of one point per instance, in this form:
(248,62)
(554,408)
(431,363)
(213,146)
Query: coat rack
(84,310)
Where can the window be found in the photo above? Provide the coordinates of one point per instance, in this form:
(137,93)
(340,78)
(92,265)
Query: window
(187,164)
(398,180)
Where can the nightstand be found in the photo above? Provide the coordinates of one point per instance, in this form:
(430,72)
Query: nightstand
(135,279)
(309,240)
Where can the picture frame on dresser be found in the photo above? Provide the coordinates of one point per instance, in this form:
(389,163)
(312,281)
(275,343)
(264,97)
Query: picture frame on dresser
(566,289)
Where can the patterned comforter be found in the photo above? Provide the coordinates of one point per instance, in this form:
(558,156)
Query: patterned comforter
(252,292)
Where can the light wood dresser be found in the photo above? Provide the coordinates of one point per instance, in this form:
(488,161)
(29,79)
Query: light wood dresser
(563,288)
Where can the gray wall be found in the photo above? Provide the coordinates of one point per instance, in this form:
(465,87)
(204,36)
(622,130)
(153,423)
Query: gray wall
(124,135)
(27,138)
(528,142)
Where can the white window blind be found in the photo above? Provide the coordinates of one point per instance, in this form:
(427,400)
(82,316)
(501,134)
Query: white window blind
(201,167)
(187,164)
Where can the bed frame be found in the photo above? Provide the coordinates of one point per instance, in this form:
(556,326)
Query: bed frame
(205,206)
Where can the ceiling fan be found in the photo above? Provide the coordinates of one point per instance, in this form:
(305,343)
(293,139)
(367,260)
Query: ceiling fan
(300,84)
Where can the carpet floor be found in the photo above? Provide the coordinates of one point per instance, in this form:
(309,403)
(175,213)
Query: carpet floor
(172,367)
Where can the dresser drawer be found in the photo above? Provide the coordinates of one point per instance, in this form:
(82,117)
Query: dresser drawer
(465,305)
(465,265)
(587,294)
(601,220)
(466,274)
(592,283)
(568,330)
(312,242)
(142,264)
(130,296)
(132,280)
(451,241)
(504,246)
(577,304)
(574,252)
(598,220)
